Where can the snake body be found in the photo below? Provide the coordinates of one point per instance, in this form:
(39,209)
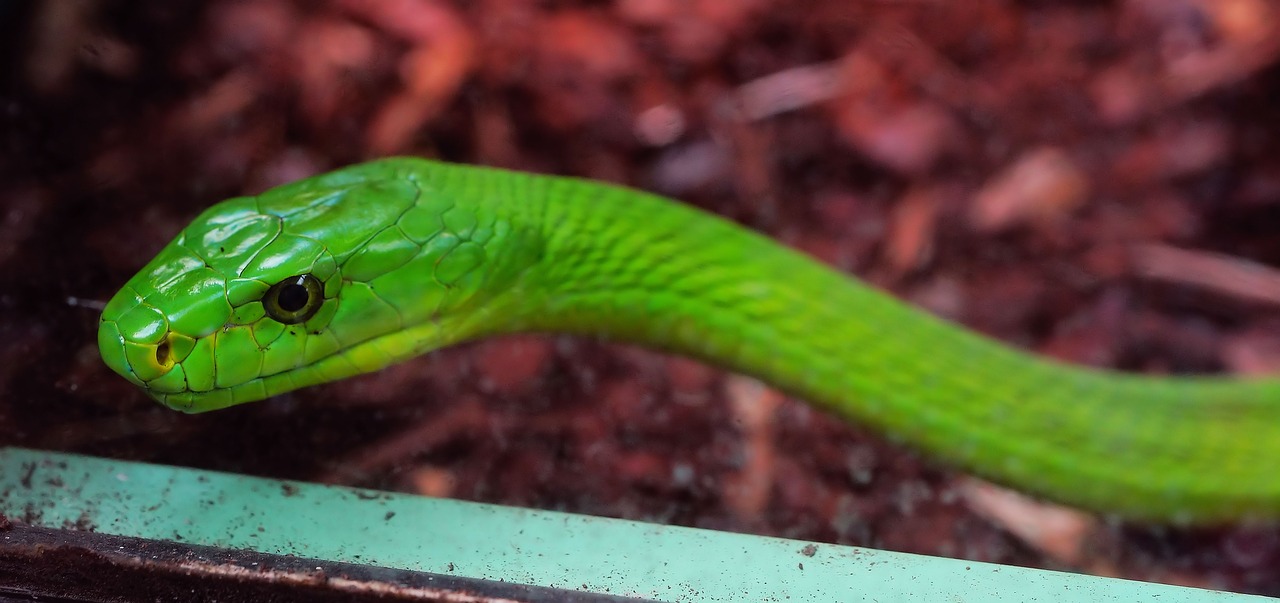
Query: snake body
(350,271)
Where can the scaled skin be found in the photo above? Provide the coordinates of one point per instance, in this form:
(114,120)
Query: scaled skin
(414,255)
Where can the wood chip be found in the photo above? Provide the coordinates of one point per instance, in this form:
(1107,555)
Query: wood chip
(1219,273)
(1042,185)
(1056,531)
(747,491)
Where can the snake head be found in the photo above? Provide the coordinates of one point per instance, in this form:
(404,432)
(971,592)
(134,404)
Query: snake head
(233,297)
(313,281)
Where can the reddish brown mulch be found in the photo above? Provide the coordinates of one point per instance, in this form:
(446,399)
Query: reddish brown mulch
(1085,179)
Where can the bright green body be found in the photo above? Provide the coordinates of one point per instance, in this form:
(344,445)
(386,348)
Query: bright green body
(415,255)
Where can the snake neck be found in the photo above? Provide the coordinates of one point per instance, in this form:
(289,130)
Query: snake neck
(638,268)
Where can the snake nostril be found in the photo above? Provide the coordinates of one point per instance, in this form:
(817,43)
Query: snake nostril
(162,353)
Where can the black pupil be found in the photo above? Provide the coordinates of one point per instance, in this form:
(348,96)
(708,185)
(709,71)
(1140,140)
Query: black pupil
(293,297)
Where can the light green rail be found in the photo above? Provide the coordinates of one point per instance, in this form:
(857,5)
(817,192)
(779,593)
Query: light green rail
(515,545)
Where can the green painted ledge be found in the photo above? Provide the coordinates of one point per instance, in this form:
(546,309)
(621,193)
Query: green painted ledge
(560,550)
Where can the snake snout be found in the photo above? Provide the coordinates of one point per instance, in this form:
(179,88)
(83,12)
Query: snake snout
(144,349)
(112,346)
(138,362)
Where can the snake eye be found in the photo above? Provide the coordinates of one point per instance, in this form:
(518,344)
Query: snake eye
(294,300)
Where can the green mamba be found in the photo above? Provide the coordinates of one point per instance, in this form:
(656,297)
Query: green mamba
(348,272)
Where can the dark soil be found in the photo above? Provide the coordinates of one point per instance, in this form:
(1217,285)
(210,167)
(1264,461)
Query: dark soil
(1030,169)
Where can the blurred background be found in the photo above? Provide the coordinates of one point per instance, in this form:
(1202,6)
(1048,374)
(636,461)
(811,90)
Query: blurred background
(1097,181)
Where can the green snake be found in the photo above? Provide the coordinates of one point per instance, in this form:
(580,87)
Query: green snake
(353,270)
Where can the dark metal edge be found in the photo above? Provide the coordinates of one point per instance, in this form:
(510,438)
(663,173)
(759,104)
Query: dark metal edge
(66,565)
